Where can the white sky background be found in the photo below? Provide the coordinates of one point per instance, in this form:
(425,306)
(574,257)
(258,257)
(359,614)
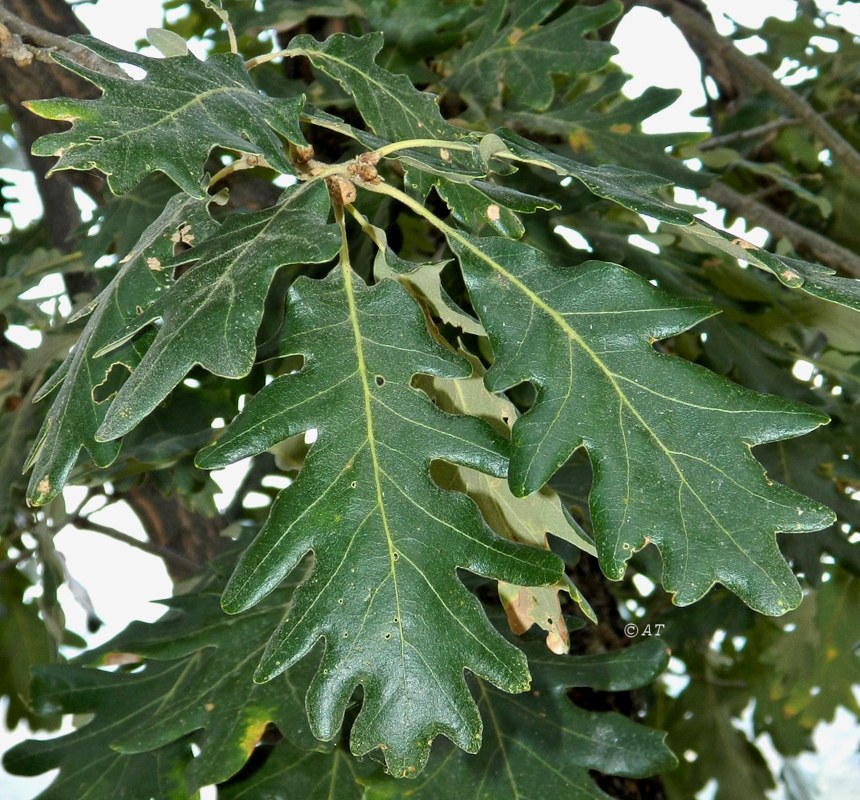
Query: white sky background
(122,581)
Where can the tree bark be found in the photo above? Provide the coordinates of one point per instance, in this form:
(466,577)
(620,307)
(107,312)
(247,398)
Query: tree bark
(39,80)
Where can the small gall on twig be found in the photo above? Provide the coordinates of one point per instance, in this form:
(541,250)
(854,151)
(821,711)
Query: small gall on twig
(304,154)
(342,191)
(363,168)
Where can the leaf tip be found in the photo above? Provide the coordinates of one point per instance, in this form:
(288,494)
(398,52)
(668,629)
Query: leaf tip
(207,458)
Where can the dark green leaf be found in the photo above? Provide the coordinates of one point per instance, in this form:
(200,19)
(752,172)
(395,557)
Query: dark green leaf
(628,187)
(702,726)
(811,668)
(814,279)
(654,427)
(387,542)
(290,773)
(102,773)
(541,745)
(518,52)
(24,643)
(211,314)
(600,135)
(392,107)
(121,221)
(479,204)
(86,379)
(197,680)
(170,121)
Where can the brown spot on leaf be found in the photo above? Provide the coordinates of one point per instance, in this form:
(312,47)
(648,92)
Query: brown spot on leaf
(515,35)
(621,127)
(493,212)
(579,140)
(120,659)
(743,243)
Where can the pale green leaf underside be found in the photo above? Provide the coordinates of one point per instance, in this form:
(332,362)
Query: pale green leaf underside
(170,121)
(422,280)
(514,52)
(211,314)
(383,594)
(520,519)
(669,442)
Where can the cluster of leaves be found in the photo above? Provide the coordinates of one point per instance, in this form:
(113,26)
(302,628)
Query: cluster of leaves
(473,383)
(187,679)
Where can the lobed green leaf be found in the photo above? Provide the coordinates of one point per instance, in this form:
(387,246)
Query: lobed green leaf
(211,314)
(386,541)
(669,442)
(170,121)
(86,381)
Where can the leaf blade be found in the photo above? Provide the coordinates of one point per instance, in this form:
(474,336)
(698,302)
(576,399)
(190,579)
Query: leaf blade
(606,358)
(224,293)
(367,488)
(169,121)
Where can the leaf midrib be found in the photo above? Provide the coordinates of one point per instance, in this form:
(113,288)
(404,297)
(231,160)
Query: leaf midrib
(574,337)
(346,271)
(197,98)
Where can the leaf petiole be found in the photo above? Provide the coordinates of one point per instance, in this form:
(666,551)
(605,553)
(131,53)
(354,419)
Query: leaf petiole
(289,52)
(409,144)
(365,225)
(247,161)
(418,208)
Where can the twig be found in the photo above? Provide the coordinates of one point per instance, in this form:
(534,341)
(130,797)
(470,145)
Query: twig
(8,563)
(24,43)
(818,246)
(693,24)
(748,133)
(162,552)
(759,130)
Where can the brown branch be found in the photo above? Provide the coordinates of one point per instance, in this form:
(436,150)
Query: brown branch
(748,133)
(170,523)
(13,561)
(808,242)
(39,80)
(698,26)
(25,43)
(165,553)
